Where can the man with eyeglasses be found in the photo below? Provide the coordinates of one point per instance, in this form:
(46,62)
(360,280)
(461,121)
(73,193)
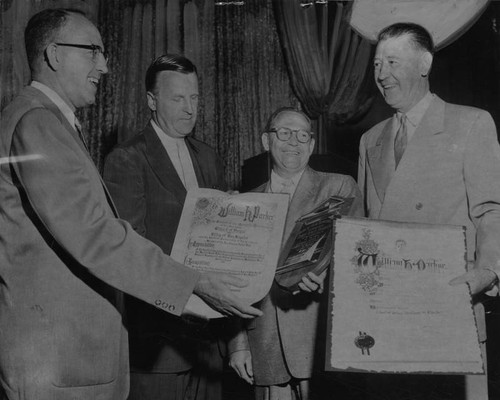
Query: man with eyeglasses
(65,256)
(279,351)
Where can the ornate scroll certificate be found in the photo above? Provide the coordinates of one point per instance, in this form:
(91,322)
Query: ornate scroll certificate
(234,234)
(393,309)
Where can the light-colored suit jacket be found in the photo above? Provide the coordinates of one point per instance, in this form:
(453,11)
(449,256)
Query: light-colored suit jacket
(149,194)
(63,254)
(288,340)
(449,174)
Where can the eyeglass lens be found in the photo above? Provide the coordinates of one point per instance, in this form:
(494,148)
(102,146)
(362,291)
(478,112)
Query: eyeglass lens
(284,134)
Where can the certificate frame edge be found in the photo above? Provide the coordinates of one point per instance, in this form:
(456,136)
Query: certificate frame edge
(331,296)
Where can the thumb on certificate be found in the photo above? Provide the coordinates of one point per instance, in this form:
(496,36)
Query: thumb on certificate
(233,280)
(478,279)
(459,280)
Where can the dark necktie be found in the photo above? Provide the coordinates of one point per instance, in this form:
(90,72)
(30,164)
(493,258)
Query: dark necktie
(79,129)
(401,139)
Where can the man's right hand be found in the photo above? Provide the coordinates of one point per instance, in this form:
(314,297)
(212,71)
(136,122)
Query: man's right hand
(241,362)
(215,289)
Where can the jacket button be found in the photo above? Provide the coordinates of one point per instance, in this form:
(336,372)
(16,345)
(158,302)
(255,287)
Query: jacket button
(419,206)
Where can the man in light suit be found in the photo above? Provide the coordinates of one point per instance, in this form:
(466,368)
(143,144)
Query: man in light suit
(433,162)
(148,177)
(280,351)
(65,257)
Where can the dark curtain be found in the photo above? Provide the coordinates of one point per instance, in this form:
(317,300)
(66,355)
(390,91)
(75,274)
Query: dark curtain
(251,80)
(242,75)
(329,64)
(236,49)
(14,15)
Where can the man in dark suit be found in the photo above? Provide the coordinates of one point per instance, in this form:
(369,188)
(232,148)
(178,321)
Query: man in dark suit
(63,251)
(281,351)
(148,177)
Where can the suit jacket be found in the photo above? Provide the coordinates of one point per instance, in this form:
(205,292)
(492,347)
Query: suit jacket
(62,254)
(287,341)
(449,174)
(149,194)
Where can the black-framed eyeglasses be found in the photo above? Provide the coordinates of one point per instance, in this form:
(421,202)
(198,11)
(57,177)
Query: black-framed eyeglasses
(95,49)
(284,134)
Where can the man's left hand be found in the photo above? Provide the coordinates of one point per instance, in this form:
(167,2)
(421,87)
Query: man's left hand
(478,279)
(312,282)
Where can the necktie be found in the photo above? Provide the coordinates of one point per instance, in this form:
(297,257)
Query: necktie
(78,127)
(401,139)
(287,186)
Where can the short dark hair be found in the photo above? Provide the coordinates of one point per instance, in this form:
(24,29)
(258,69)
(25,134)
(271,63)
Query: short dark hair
(420,36)
(42,29)
(280,110)
(167,62)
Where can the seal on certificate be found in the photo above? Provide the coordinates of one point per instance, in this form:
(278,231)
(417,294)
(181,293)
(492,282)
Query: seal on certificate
(364,342)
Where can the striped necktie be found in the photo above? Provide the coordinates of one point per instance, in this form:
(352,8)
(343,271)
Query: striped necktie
(401,139)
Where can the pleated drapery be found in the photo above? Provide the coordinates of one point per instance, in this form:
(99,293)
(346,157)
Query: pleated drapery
(329,64)
(242,74)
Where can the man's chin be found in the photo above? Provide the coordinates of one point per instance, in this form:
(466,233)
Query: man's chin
(185,131)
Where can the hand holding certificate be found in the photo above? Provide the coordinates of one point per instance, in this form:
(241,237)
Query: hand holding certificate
(238,235)
(393,309)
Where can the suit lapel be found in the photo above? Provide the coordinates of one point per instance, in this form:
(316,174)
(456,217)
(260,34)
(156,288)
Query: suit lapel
(301,200)
(55,110)
(195,154)
(380,160)
(162,165)
(72,131)
(432,122)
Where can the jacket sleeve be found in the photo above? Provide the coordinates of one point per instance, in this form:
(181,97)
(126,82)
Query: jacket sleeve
(482,181)
(237,336)
(350,189)
(66,195)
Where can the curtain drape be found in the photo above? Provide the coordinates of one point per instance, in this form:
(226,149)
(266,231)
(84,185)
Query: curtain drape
(329,64)
(14,15)
(251,80)
(242,74)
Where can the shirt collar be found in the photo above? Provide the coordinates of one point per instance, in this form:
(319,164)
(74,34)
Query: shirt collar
(275,178)
(166,139)
(57,100)
(415,114)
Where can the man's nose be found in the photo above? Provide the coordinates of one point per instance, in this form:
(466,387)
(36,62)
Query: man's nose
(188,106)
(102,64)
(293,138)
(383,72)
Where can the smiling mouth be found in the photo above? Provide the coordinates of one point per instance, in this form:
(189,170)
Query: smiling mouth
(388,86)
(94,81)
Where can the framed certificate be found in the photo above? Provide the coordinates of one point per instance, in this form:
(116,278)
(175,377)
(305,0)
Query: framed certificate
(391,308)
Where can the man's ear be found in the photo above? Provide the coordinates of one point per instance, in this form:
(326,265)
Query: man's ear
(51,57)
(311,145)
(265,141)
(151,101)
(425,63)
